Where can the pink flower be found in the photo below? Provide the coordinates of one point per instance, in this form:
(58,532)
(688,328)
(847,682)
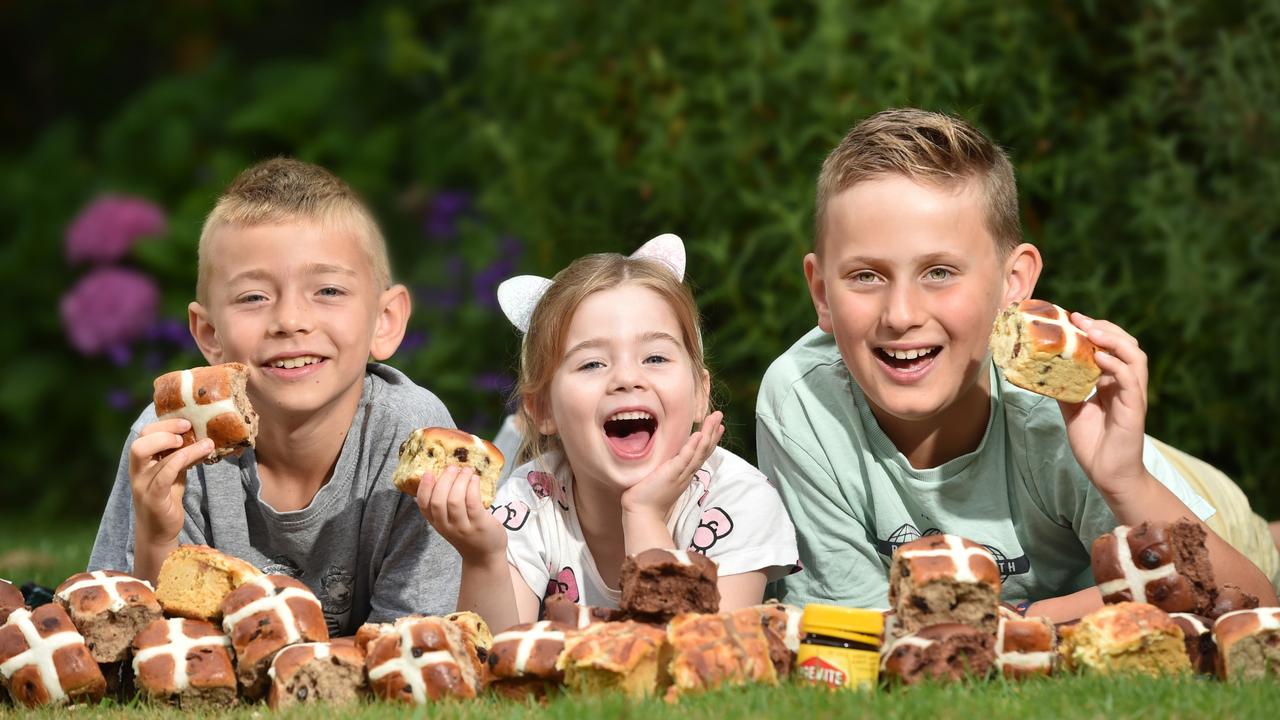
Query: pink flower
(107,227)
(109,308)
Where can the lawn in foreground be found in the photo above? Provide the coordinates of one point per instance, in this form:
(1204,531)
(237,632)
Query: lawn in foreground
(1110,698)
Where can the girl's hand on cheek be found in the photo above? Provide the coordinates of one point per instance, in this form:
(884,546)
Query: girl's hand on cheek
(653,496)
(451,503)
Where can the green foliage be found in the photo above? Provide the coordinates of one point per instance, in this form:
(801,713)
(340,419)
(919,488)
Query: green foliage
(1144,135)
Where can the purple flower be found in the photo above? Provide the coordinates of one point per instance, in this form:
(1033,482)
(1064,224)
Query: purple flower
(413,339)
(119,399)
(109,308)
(492,382)
(442,215)
(172,331)
(107,227)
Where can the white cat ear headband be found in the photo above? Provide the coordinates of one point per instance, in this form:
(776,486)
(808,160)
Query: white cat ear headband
(518,296)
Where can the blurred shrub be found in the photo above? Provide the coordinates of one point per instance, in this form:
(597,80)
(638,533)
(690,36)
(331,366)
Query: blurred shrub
(513,137)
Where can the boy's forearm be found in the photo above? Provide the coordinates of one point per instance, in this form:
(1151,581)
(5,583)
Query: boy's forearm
(486,590)
(1068,607)
(149,555)
(1155,502)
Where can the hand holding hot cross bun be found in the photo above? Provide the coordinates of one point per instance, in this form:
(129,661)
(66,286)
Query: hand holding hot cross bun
(213,401)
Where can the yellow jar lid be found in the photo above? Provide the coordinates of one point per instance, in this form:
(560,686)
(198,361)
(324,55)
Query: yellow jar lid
(839,621)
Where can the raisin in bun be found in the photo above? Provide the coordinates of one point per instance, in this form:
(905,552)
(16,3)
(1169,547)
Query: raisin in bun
(432,449)
(1039,349)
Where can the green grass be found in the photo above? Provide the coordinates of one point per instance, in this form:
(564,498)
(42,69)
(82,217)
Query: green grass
(44,550)
(1109,698)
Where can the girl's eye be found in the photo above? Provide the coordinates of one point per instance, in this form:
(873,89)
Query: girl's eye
(938,273)
(591,365)
(656,359)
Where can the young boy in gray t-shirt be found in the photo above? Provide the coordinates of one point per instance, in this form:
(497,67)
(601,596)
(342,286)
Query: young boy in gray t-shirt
(294,282)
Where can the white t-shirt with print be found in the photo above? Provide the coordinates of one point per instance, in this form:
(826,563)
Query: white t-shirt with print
(730,512)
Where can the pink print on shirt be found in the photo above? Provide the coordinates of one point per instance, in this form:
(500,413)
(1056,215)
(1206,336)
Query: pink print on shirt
(512,515)
(563,583)
(715,524)
(545,484)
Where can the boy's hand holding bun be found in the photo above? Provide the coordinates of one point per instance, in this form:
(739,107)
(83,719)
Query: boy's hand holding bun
(1106,431)
(158,465)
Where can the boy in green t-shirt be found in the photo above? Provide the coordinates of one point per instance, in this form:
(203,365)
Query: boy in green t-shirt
(889,421)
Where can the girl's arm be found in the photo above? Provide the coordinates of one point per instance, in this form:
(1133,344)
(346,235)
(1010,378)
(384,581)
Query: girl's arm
(496,592)
(1068,607)
(489,587)
(741,590)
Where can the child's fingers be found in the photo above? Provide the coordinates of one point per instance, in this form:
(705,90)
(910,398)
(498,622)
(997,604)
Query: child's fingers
(439,501)
(475,509)
(457,507)
(145,447)
(177,426)
(1129,386)
(173,469)
(426,484)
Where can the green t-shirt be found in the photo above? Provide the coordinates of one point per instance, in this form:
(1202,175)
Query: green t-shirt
(854,498)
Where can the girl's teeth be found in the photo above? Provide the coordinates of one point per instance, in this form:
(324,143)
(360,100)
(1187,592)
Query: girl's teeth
(633,415)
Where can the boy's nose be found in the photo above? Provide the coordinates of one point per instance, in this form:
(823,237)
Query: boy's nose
(902,308)
(291,319)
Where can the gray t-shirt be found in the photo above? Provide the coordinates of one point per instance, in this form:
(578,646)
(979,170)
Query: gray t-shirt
(361,545)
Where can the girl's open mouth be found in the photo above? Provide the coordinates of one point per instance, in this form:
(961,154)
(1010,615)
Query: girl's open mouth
(629,434)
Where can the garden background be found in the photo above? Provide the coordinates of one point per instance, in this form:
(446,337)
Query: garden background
(506,137)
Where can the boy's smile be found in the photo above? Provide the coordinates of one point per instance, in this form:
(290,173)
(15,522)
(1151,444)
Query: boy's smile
(624,398)
(909,281)
(296,302)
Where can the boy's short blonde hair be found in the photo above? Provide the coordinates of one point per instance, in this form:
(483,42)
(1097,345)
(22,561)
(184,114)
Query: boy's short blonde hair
(282,190)
(926,147)
(544,344)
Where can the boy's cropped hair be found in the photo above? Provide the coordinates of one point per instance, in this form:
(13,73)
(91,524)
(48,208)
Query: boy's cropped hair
(926,147)
(286,190)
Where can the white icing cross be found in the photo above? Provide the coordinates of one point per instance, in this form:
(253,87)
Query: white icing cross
(1268,619)
(682,556)
(321,652)
(792,639)
(177,645)
(1135,578)
(1070,332)
(109,583)
(39,652)
(1024,660)
(1195,622)
(410,667)
(198,414)
(273,602)
(911,640)
(959,554)
(528,639)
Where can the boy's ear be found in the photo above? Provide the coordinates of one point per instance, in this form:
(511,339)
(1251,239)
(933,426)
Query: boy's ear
(817,290)
(389,327)
(206,335)
(1021,271)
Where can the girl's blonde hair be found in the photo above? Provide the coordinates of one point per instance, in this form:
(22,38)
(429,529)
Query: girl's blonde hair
(543,346)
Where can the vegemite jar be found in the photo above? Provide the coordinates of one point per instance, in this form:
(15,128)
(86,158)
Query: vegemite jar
(839,647)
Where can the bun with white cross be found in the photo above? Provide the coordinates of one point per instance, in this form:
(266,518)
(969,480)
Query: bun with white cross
(422,659)
(330,672)
(781,624)
(658,584)
(213,399)
(1165,564)
(1040,350)
(186,663)
(108,608)
(716,650)
(944,579)
(1025,646)
(1248,644)
(947,652)
(10,599)
(432,449)
(1125,638)
(1197,636)
(265,615)
(44,661)
(523,659)
(195,579)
